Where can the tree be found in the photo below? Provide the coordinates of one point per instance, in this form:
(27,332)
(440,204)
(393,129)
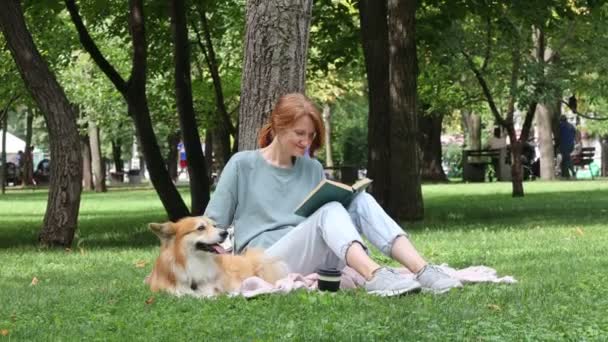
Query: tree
(197,168)
(276,43)
(61,216)
(374,33)
(134,93)
(405,191)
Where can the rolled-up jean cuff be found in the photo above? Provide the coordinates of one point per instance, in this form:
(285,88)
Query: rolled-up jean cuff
(388,248)
(347,247)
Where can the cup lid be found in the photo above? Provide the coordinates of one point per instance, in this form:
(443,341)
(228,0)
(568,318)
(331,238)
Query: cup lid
(329,272)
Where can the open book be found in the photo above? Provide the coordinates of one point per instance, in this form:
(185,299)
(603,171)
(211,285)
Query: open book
(330,191)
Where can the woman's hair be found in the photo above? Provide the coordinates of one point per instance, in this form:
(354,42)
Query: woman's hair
(288,109)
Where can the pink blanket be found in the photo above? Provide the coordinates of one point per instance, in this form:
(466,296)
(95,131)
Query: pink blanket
(255,286)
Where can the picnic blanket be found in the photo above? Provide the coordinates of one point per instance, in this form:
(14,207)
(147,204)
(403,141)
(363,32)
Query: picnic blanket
(255,286)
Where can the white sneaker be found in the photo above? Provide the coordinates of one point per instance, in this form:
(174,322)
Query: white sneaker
(387,283)
(435,280)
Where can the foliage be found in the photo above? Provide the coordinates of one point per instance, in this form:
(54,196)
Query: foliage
(452,160)
(95,290)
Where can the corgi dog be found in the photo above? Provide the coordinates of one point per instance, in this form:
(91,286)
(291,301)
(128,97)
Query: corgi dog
(192,262)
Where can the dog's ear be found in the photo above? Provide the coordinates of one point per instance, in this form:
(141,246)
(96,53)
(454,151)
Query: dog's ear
(164,231)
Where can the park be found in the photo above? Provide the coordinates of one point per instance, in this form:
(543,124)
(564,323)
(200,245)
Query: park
(484,126)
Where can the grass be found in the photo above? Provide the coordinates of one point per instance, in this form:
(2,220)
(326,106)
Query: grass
(554,241)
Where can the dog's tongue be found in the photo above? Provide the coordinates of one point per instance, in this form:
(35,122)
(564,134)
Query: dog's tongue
(218,249)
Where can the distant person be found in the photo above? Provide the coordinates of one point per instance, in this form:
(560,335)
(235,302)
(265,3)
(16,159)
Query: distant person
(567,135)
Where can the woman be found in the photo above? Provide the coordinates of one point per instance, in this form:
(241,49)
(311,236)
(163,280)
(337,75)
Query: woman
(259,190)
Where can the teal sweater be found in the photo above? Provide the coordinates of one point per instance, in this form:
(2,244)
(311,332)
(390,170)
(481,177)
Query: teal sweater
(259,199)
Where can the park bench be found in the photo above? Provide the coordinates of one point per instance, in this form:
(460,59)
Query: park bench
(584,158)
(475,163)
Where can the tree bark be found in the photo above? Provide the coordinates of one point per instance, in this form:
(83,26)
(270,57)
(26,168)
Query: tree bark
(405,200)
(374,33)
(430,143)
(544,127)
(61,216)
(517,172)
(119,165)
(197,166)
(87,171)
(545,113)
(276,44)
(3,167)
(97,163)
(134,93)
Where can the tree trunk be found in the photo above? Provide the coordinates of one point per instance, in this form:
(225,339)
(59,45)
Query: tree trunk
(276,44)
(197,167)
(374,32)
(329,161)
(119,164)
(405,201)
(430,143)
(61,216)
(134,93)
(87,171)
(3,168)
(544,127)
(517,171)
(28,158)
(173,156)
(221,146)
(97,163)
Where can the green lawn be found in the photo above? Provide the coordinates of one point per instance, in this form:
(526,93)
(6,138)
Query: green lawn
(554,241)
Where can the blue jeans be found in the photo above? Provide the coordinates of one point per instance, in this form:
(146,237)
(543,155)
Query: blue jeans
(322,240)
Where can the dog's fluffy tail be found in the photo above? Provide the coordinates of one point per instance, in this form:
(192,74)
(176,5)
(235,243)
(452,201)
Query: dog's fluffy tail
(268,268)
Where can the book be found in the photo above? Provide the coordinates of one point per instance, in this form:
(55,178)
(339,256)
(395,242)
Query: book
(329,191)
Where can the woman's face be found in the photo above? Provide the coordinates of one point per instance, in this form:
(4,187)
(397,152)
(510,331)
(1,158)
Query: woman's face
(296,139)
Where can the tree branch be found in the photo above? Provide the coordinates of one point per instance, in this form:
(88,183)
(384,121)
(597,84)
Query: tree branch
(586,116)
(211,60)
(485,89)
(8,105)
(89,45)
(488,44)
(561,46)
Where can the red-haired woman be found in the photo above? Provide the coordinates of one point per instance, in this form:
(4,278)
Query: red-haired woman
(259,190)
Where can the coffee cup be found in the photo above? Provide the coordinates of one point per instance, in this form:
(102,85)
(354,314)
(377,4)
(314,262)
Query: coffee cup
(329,279)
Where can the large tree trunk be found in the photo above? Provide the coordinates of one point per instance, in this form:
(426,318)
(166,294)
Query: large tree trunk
(63,203)
(374,32)
(28,158)
(97,163)
(405,200)
(87,170)
(197,167)
(276,44)
(430,145)
(134,93)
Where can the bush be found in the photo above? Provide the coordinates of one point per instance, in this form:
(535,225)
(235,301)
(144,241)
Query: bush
(452,160)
